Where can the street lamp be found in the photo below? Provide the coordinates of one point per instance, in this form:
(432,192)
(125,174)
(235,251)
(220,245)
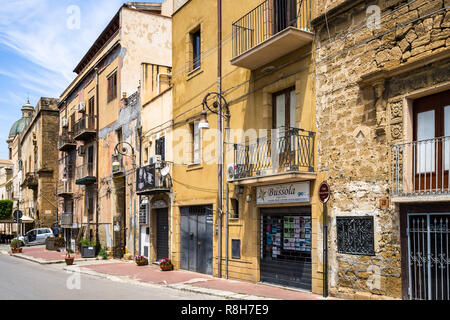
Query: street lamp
(219,107)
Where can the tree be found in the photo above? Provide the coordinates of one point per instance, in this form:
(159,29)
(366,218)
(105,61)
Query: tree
(6,208)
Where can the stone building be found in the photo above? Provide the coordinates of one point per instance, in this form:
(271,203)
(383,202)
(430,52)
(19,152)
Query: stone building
(100,120)
(6,167)
(39,158)
(382,80)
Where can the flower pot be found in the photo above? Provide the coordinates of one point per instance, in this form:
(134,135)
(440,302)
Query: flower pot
(16,250)
(88,251)
(141,263)
(69,261)
(167,267)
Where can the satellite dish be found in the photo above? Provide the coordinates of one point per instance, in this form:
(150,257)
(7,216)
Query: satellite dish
(165,171)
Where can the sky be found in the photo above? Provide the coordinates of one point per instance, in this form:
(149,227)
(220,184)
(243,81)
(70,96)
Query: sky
(41,42)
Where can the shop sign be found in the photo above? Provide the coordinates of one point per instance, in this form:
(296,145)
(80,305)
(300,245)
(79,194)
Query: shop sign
(283,193)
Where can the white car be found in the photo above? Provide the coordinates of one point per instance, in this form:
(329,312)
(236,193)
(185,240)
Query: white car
(36,236)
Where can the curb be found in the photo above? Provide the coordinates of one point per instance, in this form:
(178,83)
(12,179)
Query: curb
(42,261)
(179,286)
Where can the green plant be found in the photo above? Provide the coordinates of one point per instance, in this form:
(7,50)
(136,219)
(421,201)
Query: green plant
(15,243)
(68,252)
(6,208)
(86,243)
(141,259)
(165,262)
(103,253)
(60,242)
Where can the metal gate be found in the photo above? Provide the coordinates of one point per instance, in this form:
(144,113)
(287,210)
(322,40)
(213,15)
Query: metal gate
(197,239)
(428,261)
(162,234)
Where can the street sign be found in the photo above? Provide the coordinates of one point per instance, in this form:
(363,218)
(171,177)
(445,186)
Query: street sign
(17,215)
(324,192)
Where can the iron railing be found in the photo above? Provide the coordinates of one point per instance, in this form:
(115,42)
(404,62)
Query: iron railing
(65,139)
(421,168)
(153,177)
(266,20)
(64,187)
(66,219)
(86,123)
(283,149)
(85,171)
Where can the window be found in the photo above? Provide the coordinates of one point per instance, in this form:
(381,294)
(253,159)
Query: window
(10,154)
(196,143)
(112,87)
(235,209)
(119,135)
(91,105)
(196,49)
(160,148)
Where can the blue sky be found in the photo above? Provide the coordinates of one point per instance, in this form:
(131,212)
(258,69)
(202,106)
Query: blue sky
(41,42)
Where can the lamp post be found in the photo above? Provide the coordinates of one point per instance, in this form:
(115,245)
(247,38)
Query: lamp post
(219,107)
(124,150)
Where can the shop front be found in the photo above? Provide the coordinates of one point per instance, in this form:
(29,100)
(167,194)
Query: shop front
(286,231)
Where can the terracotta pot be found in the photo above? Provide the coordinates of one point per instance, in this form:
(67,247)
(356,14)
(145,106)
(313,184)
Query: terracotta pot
(16,250)
(166,267)
(69,261)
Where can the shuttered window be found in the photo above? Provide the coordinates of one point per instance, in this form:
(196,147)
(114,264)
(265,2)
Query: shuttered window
(112,87)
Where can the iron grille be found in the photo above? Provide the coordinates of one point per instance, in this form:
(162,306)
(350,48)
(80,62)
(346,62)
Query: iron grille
(355,235)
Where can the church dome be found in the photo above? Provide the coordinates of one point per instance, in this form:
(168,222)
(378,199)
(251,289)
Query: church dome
(19,125)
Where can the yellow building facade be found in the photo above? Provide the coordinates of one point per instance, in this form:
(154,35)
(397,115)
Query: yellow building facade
(273,231)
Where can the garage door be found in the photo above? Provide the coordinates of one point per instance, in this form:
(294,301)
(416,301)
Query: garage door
(286,246)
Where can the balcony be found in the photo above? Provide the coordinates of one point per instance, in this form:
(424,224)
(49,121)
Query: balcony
(85,128)
(420,171)
(66,142)
(66,219)
(154,178)
(284,155)
(270,31)
(30,181)
(85,174)
(65,189)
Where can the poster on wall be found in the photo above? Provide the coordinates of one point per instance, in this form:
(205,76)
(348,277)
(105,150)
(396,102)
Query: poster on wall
(283,193)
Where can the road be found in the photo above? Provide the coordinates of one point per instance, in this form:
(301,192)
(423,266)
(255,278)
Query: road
(26,280)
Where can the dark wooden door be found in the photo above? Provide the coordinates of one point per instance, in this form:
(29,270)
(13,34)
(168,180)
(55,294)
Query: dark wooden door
(284,14)
(432,148)
(162,234)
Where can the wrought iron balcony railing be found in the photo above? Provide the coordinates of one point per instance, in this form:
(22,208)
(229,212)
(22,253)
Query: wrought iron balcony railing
(154,178)
(421,168)
(30,181)
(66,219)
(65,188)
(66,142)
(266,20)
(85,174)
(282,150)
(85,127)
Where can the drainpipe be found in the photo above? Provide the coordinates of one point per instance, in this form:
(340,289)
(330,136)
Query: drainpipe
(96,164)
(219,126)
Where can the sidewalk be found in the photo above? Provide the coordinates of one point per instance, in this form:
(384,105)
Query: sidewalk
(194,282)
(151,275)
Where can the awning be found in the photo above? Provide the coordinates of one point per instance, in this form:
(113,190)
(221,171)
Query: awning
(26,219)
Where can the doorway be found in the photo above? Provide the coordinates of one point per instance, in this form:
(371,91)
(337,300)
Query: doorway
(284,14)
(162,233)
(197,238)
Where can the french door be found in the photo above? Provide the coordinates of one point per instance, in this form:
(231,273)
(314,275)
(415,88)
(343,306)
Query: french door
(432,142)
(284,14)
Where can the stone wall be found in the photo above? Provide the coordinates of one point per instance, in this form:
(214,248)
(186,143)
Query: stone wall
(358,121)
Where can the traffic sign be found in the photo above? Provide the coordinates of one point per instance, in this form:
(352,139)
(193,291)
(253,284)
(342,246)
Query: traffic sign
(324,192)
(17,215)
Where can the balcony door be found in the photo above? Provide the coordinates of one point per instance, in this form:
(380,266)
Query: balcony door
(284,105)
(432,147)
(284,14)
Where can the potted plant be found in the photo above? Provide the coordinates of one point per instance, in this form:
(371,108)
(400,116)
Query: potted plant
(166,264)
(15,246)
(141,260)
(69,259)
(87,248)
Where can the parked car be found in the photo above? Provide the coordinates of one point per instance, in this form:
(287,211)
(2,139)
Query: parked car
(36,236)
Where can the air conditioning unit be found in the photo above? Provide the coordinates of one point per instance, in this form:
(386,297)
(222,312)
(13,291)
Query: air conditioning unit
(232,170)
(65,123)
(156,160)
(81,150)
(82,107)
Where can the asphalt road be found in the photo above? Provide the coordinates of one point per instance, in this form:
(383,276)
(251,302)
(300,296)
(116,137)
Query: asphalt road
(26,280)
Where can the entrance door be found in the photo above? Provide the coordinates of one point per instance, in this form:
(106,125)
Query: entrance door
(162,234)
(197,239)
(428,259)
(286,246)
(432,136)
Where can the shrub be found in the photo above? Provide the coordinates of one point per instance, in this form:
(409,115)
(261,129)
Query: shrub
(6,208)
(60,242)
(86,243)
(103,253)
(15,243)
